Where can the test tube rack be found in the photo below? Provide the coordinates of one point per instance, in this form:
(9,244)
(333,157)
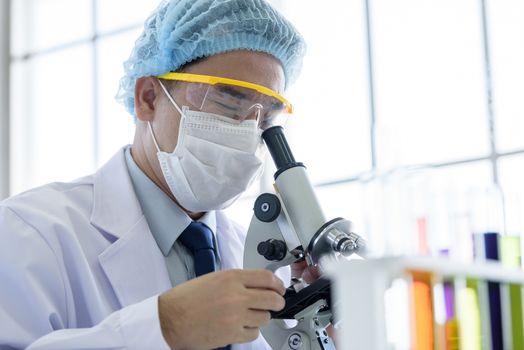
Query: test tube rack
(359,287)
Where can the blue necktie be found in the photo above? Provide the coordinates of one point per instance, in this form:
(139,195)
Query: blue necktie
(198,238)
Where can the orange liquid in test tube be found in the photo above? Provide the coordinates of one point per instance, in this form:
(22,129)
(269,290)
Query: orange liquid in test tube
(422,312)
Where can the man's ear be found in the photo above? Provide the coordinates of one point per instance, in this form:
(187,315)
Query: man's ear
(146,95)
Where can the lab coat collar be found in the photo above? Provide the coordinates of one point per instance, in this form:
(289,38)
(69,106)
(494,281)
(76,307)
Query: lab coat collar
(133,264)
(115,207)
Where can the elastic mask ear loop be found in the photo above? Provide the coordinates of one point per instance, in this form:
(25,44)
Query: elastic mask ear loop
(170,98)
(173,103)
(153,136)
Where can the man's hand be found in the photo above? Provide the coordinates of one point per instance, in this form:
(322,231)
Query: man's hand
(219,308)
(308,273)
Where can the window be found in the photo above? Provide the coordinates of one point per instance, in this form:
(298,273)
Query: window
(430,90)
(392,109)
(507,43)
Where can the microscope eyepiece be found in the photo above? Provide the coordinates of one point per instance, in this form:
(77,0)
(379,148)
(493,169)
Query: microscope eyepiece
(279,149)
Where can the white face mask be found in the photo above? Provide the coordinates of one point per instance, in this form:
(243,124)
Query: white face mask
(214,160)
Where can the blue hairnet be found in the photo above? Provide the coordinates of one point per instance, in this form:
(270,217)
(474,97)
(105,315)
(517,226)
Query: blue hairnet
(180,31)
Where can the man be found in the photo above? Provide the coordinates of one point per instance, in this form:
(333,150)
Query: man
(139,255)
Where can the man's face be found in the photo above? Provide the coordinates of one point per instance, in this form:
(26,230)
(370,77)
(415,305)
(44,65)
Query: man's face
(254,67)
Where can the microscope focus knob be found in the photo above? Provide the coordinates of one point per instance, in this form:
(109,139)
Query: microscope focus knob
(267,207)
(272,249)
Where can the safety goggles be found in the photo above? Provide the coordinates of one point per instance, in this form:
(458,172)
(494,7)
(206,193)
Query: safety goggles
(236,99)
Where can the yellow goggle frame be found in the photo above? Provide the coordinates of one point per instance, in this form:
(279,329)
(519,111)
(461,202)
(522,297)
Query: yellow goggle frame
(212,80)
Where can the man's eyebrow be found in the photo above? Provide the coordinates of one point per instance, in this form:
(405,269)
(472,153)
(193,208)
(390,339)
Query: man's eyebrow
(232,91)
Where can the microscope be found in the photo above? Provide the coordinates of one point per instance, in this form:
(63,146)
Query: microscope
(289,226)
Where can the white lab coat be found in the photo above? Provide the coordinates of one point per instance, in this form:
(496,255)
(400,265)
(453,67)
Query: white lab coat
(80,269)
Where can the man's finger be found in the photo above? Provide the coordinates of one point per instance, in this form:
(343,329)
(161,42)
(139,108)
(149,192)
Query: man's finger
(262,279)
(249,334)
(257,318)
(265,300)
(297,268)
(311,274)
